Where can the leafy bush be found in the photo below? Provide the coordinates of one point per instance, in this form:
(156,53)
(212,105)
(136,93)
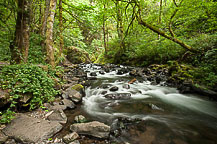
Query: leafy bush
(27,81)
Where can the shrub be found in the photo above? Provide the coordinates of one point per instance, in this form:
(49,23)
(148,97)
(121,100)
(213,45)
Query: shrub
(27,80)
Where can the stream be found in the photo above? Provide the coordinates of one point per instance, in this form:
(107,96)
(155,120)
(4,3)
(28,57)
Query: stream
(154,114)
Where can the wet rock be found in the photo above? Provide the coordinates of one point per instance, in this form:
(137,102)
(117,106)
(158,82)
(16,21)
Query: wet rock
(107,70)
(114,88)
(70,137)
(93,74)
(31,130)
(136,72)
(126,86)
(105,86)
(122,71)
(102,72)
(80,119)
(185,87)
(58,116)
(140,131)
(96,129)
(119,96)
(64,96)
(68,103)
(103,92)
(74,95)
(3,137)
(65,86)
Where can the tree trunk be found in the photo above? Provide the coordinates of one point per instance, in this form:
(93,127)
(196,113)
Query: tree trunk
(20,46)
(160,16)
(162,33)
(44,21)
(61,27)
(104,29)
(120,31)
(49,33)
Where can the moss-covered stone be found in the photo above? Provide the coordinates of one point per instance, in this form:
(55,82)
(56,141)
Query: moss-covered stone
(77,87)
(77,55)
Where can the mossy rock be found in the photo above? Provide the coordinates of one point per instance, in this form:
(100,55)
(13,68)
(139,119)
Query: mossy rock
(77,87)
(77,55)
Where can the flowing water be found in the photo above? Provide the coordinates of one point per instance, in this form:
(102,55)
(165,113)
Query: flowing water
(167,116)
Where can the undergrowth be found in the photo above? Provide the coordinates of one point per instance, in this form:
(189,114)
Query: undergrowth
(28,86)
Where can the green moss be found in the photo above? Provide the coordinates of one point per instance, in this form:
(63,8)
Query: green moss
(77,87)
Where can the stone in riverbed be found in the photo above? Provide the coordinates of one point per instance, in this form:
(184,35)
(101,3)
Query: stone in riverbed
(80,119)
(119,96)
(68,103)
(102,72)
(70,137)
(58,116)
(96,129)
(31,130)
(93,74)
(74,95)
(114,88)
(126,86)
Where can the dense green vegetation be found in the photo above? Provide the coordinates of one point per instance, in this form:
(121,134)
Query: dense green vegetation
(29,86)
(131,32)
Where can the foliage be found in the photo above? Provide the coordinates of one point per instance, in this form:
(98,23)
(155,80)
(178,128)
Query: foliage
(7,116)
(36,52)
(27,81)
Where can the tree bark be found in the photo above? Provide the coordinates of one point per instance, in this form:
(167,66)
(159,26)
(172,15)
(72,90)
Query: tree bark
(20,46)
(44,21)
(104,29)
(160,15)
(49,34)
(61,27)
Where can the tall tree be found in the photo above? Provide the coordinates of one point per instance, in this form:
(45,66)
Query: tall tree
(61,27)
(104,27)
(20,46)
(49,33)
(44,22)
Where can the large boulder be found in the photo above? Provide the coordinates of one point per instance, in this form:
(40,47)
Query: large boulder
(73,94)
(96,129)
(31,130)
(77,55)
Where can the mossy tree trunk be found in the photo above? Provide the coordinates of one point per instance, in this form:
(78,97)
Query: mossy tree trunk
(44,22)
(49,33)
(20,46)
(162,33)
(104,28)
(61,27)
